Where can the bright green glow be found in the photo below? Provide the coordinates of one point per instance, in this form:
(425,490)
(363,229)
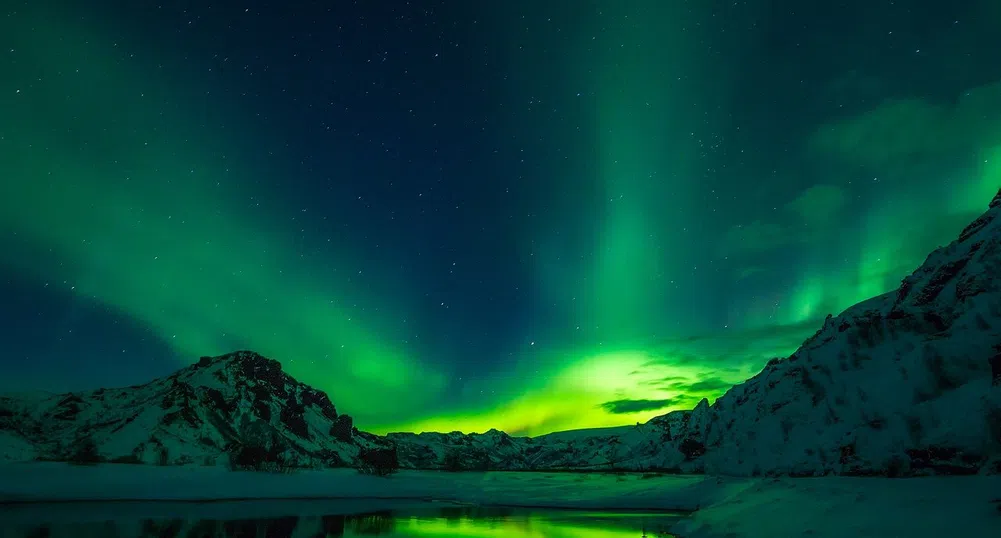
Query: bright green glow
(883,260)
(807,300)
(895,142)
(987,178)
(164,227)
(174,243)
(177,241)
(677,372)
(644,154)
(570,399)
(574,525)
(645,158)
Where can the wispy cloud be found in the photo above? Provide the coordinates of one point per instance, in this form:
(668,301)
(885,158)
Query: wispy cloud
(626,406)
(803,221)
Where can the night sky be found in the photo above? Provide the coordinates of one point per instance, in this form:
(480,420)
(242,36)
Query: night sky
(528,215)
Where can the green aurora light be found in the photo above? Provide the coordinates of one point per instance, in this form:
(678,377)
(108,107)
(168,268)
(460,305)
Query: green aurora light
(184,245)
(174,242)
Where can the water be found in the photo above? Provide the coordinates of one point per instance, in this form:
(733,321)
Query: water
(287,519)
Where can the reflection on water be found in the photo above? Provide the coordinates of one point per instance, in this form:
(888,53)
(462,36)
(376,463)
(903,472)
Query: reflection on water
(444,522)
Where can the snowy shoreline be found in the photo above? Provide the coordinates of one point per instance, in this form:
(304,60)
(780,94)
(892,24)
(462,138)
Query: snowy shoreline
(733,507)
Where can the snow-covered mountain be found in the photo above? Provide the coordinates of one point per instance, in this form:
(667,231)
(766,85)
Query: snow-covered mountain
(904,383)
(239,406)
(908,382)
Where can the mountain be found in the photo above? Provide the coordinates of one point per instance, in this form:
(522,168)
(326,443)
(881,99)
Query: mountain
(239,406)
(906,383)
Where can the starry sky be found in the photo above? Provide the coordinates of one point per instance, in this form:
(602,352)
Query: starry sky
(457,215)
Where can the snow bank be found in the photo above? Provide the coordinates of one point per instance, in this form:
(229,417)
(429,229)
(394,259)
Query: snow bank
(837,507)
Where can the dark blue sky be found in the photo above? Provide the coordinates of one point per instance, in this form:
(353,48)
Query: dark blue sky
(476,209)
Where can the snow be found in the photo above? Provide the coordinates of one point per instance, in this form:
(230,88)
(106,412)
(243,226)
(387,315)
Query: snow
(726,507)
(583,434)
(15,448)
(898,385)
(837,507)
(194,416)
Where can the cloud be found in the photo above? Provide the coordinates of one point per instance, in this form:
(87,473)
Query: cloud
(625,407)
(757,236)
(805,221)
(818,203)
(896,129)
(713,384)
(748,272)
(732,351)
(705,383)
(899,130)
(685,370)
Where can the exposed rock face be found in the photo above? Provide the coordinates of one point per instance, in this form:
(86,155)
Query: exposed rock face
(201,414)
(995,363)
(896,384)
(905,383)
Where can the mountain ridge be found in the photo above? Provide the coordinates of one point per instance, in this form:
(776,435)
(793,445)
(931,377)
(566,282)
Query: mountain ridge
(904,383)
(201,413)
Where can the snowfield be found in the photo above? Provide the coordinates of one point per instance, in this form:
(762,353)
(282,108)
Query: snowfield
(820,507)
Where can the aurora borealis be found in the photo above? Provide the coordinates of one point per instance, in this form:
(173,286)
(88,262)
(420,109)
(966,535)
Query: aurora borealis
(458,216)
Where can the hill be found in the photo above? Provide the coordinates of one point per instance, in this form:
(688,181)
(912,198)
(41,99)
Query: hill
(905,383)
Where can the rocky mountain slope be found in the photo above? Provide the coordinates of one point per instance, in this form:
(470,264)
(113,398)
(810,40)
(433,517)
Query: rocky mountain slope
(908,382)
(904,383)
(240,407)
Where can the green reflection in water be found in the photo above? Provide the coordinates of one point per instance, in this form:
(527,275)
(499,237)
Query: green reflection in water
(491,522)
(227,520)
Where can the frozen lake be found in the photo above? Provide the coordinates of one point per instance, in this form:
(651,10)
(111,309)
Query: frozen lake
(318,519)
(48,500)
